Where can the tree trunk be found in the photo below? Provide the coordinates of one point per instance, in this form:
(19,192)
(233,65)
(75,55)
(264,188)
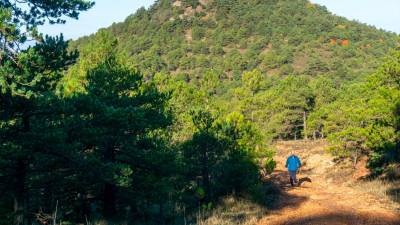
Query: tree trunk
(83,208)
(161,214)
(109,196)
(109,200)
(206,176)
(20,176)
(305,125)
(19,198)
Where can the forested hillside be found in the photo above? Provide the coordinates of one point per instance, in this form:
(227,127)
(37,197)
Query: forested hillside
(277,37)
(106,151)
(286,65)
(156,119)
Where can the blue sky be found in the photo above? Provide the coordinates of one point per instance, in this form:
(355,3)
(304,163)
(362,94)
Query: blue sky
(383,14)
(103,14)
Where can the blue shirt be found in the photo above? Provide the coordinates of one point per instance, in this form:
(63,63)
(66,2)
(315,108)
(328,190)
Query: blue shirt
(293,163)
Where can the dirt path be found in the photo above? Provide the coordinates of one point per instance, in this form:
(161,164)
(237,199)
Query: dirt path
(326,200)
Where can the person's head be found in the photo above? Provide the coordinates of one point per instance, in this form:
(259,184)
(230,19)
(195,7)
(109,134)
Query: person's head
(292,152)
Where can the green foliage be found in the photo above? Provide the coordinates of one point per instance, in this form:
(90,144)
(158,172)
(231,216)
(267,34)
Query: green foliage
(19,20)
(118,115)
(32,134)
(252,81)
(271,35)
(222,152)
(192,3)
(269,166)
(198,33)
(33,13)
(244,136)
(216,87)
(363,117)
(271,61)
(102,46)
(38,68)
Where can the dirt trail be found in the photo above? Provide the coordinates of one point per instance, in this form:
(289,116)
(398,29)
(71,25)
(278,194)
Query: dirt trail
(327,200)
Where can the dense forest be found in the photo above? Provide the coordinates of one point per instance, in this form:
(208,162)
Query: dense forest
(290,67)
(156,118)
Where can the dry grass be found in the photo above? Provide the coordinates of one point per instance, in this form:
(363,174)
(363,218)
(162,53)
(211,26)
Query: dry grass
(234,211)
(230,211)
(389,190)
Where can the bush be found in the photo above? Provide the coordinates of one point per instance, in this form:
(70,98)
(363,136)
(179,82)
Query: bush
(221,156)
(237,173)
(269,165)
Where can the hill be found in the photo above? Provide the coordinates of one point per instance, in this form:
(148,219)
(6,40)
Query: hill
(277,37)
(278,62)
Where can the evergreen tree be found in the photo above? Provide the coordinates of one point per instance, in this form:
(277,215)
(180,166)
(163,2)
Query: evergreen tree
(29,110)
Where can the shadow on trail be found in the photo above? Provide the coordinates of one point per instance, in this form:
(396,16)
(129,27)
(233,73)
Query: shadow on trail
(304,180)
(342,218)
(281,178)
(279,182)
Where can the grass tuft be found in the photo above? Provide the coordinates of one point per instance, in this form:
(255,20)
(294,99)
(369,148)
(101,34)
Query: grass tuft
(234,211)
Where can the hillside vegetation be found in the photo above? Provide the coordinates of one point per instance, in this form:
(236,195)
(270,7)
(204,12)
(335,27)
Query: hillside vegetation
(277,37)
(291,67)
(160,118)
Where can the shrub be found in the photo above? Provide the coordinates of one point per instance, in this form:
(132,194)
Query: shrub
(269,165)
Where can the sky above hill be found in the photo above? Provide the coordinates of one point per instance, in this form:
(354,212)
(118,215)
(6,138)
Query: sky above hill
(382,14)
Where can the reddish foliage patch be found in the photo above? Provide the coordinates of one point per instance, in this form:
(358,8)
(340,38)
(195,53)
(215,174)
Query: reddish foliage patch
(345,42)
